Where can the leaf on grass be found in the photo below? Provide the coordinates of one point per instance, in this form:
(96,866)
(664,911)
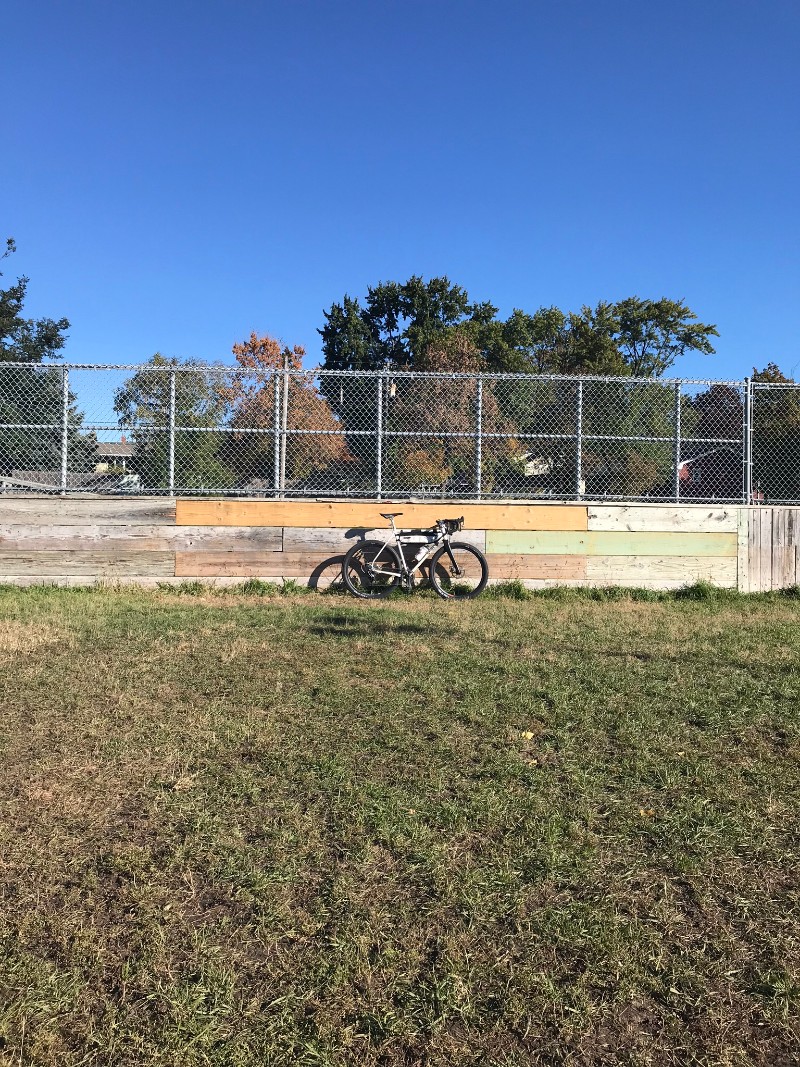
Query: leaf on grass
(182,784)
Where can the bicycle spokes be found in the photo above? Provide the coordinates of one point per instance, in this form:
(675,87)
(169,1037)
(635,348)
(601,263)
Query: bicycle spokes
(458,570)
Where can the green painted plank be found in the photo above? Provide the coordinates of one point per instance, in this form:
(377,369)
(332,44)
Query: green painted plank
(612,543)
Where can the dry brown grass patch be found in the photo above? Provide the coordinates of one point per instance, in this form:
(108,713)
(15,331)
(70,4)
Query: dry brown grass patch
(17,636)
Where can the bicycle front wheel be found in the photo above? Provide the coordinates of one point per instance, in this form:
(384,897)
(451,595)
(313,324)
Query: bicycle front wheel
(459,571)
(371,569)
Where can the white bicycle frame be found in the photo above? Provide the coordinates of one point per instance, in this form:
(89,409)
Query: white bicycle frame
(425,552)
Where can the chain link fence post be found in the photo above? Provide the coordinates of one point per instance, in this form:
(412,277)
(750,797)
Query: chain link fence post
(64,429)
(171,469)
(579,441)
(284,423)
(379,438)
(747,431)
(677,447)
(276,430)
(479,439)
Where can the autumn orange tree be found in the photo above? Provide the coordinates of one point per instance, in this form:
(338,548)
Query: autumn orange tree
(431,406)
(249,392)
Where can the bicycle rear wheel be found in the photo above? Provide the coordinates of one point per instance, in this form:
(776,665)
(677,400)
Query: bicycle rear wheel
(459,571)
(371,569)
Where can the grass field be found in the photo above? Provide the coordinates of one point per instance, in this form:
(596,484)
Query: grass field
(250,829)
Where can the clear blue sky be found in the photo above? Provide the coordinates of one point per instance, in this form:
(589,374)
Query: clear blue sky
(177,174)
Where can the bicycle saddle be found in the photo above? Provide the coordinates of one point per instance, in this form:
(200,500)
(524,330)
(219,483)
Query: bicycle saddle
(393,515)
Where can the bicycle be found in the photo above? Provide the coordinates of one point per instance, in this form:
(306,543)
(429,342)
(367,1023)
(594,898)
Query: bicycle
(457,570)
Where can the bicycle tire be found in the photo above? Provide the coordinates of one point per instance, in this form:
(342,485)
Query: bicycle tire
(441,573)
(356,577)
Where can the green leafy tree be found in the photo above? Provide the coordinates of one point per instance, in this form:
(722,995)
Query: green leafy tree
(400,323)
(142,405)
(776,434)
(31,396)
(26,340)
(395,325)
(634,336)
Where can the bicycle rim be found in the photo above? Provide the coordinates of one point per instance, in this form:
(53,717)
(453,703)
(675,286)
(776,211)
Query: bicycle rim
(370,570)
(461,577)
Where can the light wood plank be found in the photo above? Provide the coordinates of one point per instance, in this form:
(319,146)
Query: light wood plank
(72,511)
(742,554)
(663,518)
(754,550)
(316,538)
(784,547)
(254,564)
(367,514)
(790,547)
(777,547)
(98,564)
(720,570)
(765,518)
(793,548)
(601,543)
(518,566)
(134,538)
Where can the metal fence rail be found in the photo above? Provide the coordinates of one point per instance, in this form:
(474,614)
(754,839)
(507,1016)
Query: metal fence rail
(213,429)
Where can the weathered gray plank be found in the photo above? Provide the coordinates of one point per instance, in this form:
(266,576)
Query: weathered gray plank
(254,564)
(72,511)
(137,538)
(784,547)
(766,517)
(99,564)
(754,550)
(781,570)
(742,576)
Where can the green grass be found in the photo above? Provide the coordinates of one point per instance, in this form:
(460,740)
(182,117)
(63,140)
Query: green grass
(254,828)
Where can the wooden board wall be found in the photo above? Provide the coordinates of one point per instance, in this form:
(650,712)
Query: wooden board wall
(657,546)
(773,544)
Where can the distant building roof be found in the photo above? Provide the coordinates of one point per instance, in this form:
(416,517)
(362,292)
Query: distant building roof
(122,448)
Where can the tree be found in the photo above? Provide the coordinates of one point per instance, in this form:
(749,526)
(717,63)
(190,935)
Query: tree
(32,396)
(249,393)
(438,405)
(401,324)
(143,405)
(398,322)
(775,422)
(26,340)
(634,336)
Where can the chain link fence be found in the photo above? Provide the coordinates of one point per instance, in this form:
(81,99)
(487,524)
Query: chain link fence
(203,429)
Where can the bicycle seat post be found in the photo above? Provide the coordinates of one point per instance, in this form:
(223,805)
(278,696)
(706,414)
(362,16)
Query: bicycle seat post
(391,517)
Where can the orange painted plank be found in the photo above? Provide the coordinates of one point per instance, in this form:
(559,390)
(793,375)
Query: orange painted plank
(367,514)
